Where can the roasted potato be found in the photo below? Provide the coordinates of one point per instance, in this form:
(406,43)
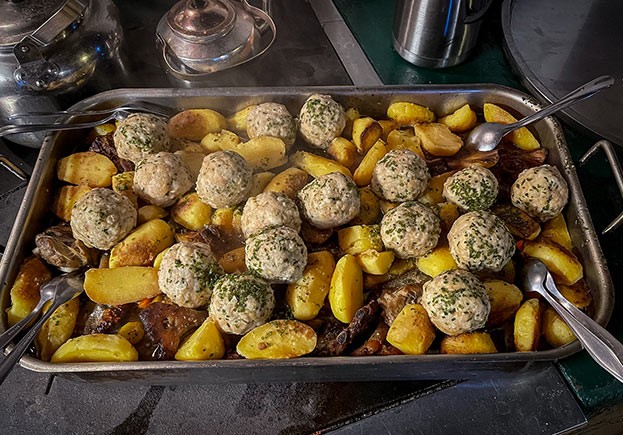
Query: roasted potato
(527,328)
(132,331)
(24,293)
(149,212)
(346,291)
(316,165)
(278,339)
(219,141)
(366,132)
(566,268)
(351,113)
(343,151)
(193,160)
(88,168)
(522,137)
(387,125)
(192,213)
(140,247)
(227,219)
(194,124)
(406,113)
(412,331)
(203,344)
(505,299)
(555,330)
(261,153)
(439,260)
(57,329)
(434,190)
(369,209)
(66,198)
(306,296)
(95,348)
(358,238)
(233,261)
(438,140)
(363,173)
(238,121)
(374,262)
(448,212)
(519,223)
(461,120)
(289,182)
(121,285)
(556,230)
(578,294)
(260,181)
(123,184)
(468,343)
(404,139)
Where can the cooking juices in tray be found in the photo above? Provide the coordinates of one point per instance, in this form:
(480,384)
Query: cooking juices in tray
(262,232)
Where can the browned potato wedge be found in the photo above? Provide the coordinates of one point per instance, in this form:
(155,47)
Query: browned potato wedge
(238,121)
(406,113)
(468,343)
(462,119)
(121,285)
(527,326)
(193,161)
(387,125)
(278,339)
(404,140)
(363,173)
(352,113)
(306,296)
(520,224)
(316,165)
(233,261)
(88,167)
(123,184)
(261,153)
(346,291)
(358,238)
(57,329)
(157,260)
(203,344)
(149,212)
(522,137)
(438,140)
(434,191)
(374,262)
(260,181)
(562,263)
(343,151)
(288,182)
(32,274)
(192,213)
(140,247)
(132,331)
(370,208)
(66,198)
(194,124)
(556,332)
(412,331)
(448,213)
(219,141)
(95,348)
(505,299)
(556,230)
(366,132)
(578,294)
(227,219)
(439,260)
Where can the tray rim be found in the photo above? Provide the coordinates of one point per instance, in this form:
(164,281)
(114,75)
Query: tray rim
(530,102)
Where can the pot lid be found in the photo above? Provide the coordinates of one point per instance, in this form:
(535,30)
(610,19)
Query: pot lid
(202,19)
(19,18)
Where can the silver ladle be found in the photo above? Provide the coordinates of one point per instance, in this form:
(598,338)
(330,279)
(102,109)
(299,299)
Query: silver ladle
(488,135)
(605,349)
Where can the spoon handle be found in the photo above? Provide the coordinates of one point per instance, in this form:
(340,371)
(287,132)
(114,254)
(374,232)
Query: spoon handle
(605,349)
(20,348)
(8,335)
(29,128)
(585,91)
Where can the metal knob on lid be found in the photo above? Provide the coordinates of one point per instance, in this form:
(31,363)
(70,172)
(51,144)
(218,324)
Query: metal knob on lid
(200,37)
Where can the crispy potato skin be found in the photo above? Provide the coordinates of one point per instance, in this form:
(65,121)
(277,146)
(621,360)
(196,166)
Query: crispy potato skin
(468,343)
(278,339)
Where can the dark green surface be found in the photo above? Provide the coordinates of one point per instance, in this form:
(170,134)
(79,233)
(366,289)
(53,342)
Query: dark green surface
(371,21)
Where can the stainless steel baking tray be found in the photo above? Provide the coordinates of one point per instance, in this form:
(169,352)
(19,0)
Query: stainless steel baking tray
(34,215)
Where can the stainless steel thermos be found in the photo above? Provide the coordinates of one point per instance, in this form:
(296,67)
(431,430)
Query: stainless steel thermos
(437,33)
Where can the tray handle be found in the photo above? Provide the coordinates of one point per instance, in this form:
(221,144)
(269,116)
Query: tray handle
(613,160)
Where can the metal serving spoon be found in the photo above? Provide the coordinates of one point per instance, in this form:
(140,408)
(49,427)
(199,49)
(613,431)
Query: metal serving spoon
(606,350)
(488,135)
(58,290)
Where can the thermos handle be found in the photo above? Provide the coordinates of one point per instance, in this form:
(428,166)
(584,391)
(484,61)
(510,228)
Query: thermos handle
(472,18)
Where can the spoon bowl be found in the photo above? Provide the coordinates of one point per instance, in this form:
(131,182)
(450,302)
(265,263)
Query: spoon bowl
(488,135)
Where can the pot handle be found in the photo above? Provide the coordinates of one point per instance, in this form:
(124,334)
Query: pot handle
(262,16)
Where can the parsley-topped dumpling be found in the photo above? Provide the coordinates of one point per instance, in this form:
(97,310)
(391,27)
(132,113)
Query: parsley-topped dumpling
(188,273)
(225,179)
(139,135)
(271,119)
(269,209)
(473,188)
(161,179)
(479,240)
(541,192)
(401,175)
(410,230)
(241,302)
(278,254)
(456,302)
(321,120)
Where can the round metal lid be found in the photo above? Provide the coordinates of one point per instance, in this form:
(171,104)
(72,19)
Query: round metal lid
(559,44)
(19,18)
(202,19)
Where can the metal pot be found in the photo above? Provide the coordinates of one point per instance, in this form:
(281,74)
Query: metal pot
(200,37)
(51,47)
